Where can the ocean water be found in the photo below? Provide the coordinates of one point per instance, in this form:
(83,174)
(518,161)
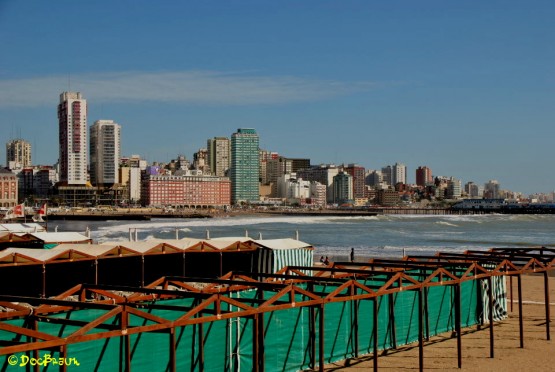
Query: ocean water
(379,236)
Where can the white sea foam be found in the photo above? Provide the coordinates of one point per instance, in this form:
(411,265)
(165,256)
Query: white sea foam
(445,223)
(210,222)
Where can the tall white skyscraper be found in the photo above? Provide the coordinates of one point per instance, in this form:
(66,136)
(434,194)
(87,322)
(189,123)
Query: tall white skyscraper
(395,174)
(399,174)
(105,152)
(72,118)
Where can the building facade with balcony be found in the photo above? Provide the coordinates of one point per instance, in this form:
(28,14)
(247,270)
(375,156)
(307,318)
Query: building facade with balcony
(8,189)
(196,191)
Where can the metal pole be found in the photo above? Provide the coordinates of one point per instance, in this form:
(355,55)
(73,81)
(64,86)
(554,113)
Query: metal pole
(520,318)
(96,271)
(184,264)
(126,339)
(546,298)
(260,339)
(491,336)
(458,323)
(201,346)
(43,295)
(63,352)
(321,340)
(392,320)
(142,270)
(426,314)
(511,280)
(420,332)
(375,333)
(355,325)
(221,264)
(172,349)
(312,334)
(261,346)
(255,343)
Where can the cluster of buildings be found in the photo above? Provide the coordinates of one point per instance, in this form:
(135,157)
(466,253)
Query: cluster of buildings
(230,171)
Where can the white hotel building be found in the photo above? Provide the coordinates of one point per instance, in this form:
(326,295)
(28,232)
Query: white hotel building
(297,190)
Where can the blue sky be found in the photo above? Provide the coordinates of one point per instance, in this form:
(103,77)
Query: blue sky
(464,87)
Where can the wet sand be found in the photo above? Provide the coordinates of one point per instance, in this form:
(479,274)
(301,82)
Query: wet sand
(440,353)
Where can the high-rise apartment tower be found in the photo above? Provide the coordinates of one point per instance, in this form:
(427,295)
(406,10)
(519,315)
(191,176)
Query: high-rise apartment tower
(244,170)
(423,176)
(18,153)
(105,152)
(219,155)
(72,118)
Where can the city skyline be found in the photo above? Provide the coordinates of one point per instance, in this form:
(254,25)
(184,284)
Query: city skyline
(465,89)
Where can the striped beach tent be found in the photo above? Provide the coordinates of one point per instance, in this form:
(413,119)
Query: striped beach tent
(499,299)
(275,254)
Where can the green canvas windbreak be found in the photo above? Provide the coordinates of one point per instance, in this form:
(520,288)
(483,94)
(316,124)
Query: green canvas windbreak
(441,309)
(229,343)
(366,325)
(287,339)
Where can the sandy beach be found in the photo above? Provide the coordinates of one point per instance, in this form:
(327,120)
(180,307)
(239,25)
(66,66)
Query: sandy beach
(440,353)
